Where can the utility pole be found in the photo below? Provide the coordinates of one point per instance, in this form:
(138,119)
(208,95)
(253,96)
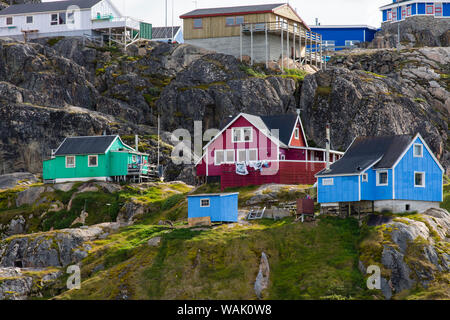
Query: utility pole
(166,14)
(172,17)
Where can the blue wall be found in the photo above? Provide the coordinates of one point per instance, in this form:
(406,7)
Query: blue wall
(404,177)
(340,35)
(344,189)
(418,8)
(370,190)
(222,207)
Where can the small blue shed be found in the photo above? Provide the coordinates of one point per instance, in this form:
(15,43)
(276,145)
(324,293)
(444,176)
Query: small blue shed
(395,173)
(220,207)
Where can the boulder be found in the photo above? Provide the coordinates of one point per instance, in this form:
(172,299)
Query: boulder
(29,196)
(154,242)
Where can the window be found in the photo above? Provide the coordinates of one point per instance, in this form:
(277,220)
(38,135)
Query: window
(54,20)
(245,155)
(204,203)
(62,18)
(230,21)
(419,179)
(351,42)
(408,11)
(70,161)
(239,20)
(328,182)
(430,9)
(297,133)
(365,177)
(29,19)
(282,157)
(407,207)
(134,158)
(223,156)
(71,17)
(389,15)
(9,21)
(418,150)
(242,134)
(93,161)
(198,23)
(438,9)
(382,178)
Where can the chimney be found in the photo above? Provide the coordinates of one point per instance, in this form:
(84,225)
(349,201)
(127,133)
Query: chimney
(328,141)
(136,141)
(317,21)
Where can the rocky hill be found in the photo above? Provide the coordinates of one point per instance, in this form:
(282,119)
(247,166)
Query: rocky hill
(56,87)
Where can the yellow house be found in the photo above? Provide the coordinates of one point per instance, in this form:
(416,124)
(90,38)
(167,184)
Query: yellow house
(262,32)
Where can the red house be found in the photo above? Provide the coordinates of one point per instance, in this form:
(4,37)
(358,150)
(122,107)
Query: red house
(256,150)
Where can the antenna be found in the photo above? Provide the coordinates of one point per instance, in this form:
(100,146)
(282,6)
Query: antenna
(195,2)
(166,13)
(172,18)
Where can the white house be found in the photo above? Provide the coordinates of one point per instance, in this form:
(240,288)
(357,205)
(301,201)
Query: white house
(70,18)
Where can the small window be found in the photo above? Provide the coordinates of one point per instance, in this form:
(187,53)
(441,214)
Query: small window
(297,133)
(93,161)
(407,207)
(9,21)
(282,157)
(252,155)
(54,19)
(239,20)
(70,161)
(328,182)
(242,135)
(62,18)
(430,9)
(438,9)
(198,23)
(408,11)
(29,19)
(229,156)
(242,155)
(382,178)
(229,21)
(418,150)
(219,157)
(419,179)
(134,158)
(71,17)
(204,203)
(365,177)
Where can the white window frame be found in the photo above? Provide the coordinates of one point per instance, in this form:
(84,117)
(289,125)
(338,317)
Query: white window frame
(205,206)
(328,181)
(74,162)
(351,42)
(70,17)
(428,6)
(365,177)
(242,137)
(12,21)
(96,160)
(247,155)
(225,161)
(54,22)
(32,19)
(378,178)
(423,179)
(421,150)
(297,133)
(134,158)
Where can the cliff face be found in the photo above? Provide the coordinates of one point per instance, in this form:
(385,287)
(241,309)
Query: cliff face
(375,92)
(53,88)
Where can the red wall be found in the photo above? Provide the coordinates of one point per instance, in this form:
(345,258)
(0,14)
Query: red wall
(300,142)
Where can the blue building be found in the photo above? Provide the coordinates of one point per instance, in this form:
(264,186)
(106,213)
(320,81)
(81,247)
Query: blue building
(221,207)
(402,9)
(394,173)
(337,37)
(166,34)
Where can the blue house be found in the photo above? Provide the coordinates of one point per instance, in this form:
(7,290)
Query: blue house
(220,207)
(394,173)
(336,37)
(402,9)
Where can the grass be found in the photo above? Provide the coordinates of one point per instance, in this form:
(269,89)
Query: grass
(222,262)
(446,203)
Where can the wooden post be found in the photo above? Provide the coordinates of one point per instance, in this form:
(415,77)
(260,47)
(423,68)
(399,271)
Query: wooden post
(310,48)
(300,44)
(321,56)
(349,210)
(251,44)
(282,46)
(267,47)
(293,45)
(288,51)
(240,40)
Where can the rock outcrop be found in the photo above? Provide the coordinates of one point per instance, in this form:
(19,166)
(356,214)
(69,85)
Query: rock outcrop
(386,92)
(413,251)
(416,31)
(262,279)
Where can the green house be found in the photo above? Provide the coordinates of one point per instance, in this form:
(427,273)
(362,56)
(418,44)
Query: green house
(101,158)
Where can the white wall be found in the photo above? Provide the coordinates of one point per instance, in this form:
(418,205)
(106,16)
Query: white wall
(104,8)
(41,22)
(399,206)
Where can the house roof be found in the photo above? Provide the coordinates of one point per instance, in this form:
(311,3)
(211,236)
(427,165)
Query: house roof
(47,6)
(164,32)
(213,194)
(85,145)
(350,26)
(383,151)
(231,10)
(397,3)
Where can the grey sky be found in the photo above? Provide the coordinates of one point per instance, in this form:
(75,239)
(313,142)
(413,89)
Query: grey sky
(328,11)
